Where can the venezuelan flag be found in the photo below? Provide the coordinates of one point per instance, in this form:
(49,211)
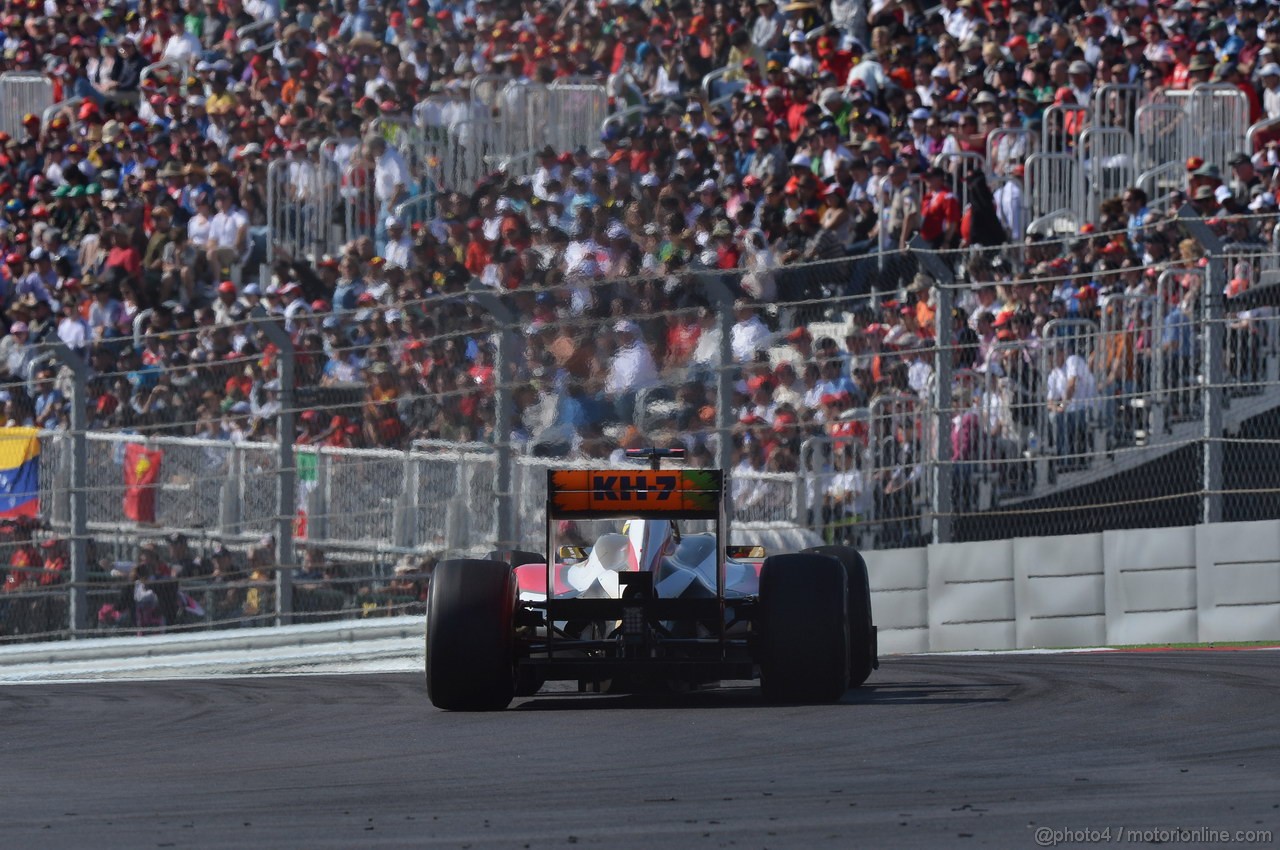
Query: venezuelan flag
(19,472)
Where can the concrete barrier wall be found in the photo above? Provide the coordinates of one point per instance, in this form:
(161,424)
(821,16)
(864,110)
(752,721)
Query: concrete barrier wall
(1238,580)
(971,598)
(900,599)
(1170,585)
(1150,585)
(1058,591)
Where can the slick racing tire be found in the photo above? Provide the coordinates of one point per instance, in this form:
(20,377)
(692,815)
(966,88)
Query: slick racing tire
(470,635)
(863,643)
(804,628)
(528,682)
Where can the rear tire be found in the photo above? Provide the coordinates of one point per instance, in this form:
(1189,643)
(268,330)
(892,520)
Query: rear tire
(470,636)
(528,681)
(804,626)
(863,648)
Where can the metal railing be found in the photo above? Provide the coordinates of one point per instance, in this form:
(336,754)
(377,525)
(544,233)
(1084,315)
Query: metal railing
(1053,182)
(22,93)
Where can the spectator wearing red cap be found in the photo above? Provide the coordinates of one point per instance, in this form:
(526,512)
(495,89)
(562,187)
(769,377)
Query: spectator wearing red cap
(760,404)
(801,343)
(227,307)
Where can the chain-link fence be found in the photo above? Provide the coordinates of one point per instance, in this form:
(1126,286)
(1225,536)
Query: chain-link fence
(884,398)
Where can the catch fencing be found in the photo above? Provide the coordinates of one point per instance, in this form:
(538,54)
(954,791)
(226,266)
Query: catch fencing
(1155,408)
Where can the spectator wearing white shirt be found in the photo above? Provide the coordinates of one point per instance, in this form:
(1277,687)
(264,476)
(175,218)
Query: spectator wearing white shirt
(748,334)
(390,174)
(1270,75)
(919,368)
(182,48)
(548,170)
(73,330)
(631,369)
(867,74)
(262,10)
(399,246)
(801,61)
(297,311)
(706,354)
(962,23)
(228,244)
(16,352)
(994,413)
(766,30)
(42,279)
(833,153)
(1071,394)
(105,313)
(345,146)
(1009,202)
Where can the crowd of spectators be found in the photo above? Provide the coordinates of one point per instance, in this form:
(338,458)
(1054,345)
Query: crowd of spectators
(167,584)
(140,207)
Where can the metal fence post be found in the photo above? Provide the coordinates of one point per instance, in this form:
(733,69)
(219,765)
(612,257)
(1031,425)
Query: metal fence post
(79,600)
(286,477)
(1212,337)
(504,405)
(318,500)
(402,524)
(231,497)
(943,468)
(721,298)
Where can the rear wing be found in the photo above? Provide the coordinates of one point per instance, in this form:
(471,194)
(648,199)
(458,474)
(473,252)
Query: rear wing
(634,494)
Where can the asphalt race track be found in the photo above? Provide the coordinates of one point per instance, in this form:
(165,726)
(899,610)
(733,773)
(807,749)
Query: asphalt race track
(974,751)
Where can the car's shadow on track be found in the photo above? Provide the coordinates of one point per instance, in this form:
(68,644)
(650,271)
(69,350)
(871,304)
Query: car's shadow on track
(926,693)
(747,695)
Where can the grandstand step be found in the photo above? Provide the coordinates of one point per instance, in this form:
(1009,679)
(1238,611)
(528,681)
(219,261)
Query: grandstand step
(1179,432)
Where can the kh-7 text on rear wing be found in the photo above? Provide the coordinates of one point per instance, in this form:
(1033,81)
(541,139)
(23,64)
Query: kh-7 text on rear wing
(632,493)
(736,552)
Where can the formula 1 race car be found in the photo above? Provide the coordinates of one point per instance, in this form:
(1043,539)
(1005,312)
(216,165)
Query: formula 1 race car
(645,606)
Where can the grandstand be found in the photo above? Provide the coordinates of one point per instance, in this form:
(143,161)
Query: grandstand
(346,277)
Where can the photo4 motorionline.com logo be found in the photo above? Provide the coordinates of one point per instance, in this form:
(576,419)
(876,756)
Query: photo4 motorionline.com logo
(1047,837)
